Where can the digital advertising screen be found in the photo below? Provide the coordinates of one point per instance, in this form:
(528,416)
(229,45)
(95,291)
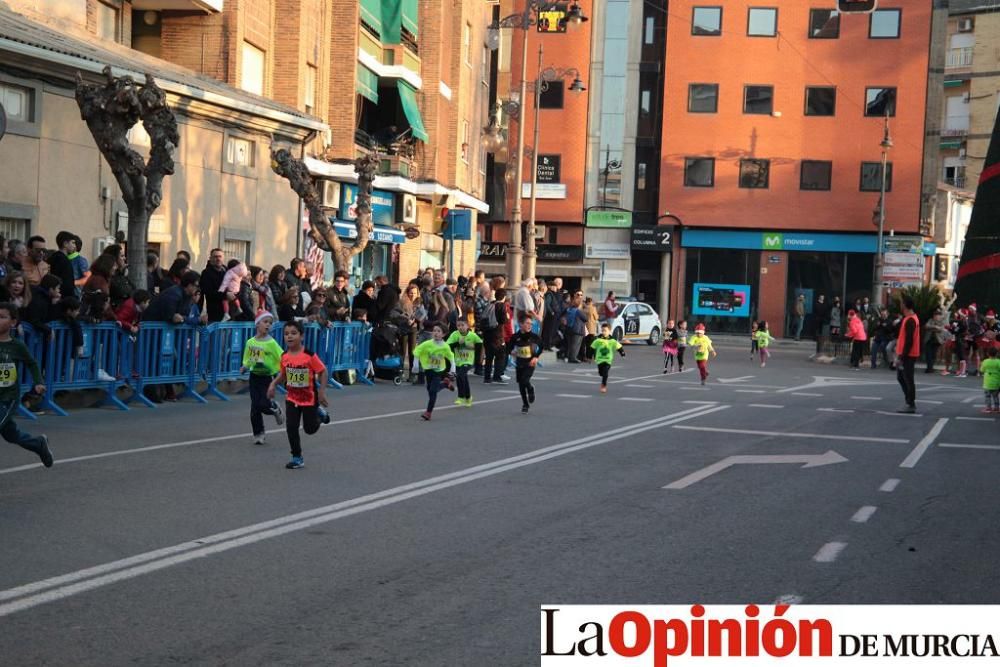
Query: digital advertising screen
(721,300)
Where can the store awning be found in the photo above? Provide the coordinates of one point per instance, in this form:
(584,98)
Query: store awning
(380,233)
(391,21)
(951,144)
(408,97)
(409,17)
(367,83)
(546,270)
(953,83)
(371,13)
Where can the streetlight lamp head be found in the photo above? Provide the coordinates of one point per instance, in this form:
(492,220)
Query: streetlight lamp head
(493,36)
(575,16)
(577,86)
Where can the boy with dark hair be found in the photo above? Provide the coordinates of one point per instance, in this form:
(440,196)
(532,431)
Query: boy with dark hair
(604,347)
(13,351)
(304,376)
(60,264)
(526,346)
(463,342)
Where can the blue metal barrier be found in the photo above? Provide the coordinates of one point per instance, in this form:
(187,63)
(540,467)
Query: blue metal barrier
(224,353)
(34,343)
(95,367)
(169,354)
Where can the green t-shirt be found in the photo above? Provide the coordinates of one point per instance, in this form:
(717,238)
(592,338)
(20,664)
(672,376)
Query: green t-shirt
(763,338)
(702,345)
(11,352)
(991,373)
(434,356)
(464,347)
(262,357)
(604,350)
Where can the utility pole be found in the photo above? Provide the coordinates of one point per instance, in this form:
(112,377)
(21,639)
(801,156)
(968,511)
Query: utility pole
(886,144)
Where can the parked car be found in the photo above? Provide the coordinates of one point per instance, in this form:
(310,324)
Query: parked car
(637,321)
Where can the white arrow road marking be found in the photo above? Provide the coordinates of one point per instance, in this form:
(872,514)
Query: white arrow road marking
(810,461)
(823,382)
(739,379)
(922,446)
(786,434)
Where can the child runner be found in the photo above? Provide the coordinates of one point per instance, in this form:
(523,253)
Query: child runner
(262,357)
(463,342)
(669,346)
(436,360)
(604,347)
(682,343)
(304,376)
(702,345)
(990,368)
(526,347)
(763,338)
(11,352)
(754,342)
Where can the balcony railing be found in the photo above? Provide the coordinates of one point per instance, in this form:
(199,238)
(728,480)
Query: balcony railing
(956,181)
(955,131)
(959,58)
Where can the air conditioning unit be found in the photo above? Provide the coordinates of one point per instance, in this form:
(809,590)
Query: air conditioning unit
(539,232)
(102,242)
(408,209)
(965,24)
(331,194)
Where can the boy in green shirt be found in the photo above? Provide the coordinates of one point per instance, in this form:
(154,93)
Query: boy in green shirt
(262,357)
(436,360)
(11,352)
(463,342)
(604,348)
(990,369)
(702,345)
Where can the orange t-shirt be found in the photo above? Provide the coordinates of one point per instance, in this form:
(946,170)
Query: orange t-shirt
(301,370)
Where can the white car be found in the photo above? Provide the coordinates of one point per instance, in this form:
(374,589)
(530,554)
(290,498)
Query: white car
(637,321)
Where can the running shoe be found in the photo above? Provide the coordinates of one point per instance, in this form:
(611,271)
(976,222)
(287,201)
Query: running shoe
(295,463)
(459,401)
(500,381)
(907,409)
(604,389)
(279,416)
(426,416)
(524,408)
(104,376)
(260,439)
(468,402)
(44,453)
(324,416)
(961,375)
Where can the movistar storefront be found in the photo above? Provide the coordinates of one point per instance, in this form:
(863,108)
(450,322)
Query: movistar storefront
(734,277)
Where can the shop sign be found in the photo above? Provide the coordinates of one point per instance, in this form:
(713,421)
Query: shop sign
(787,241)
(560,253)
(903,258)
(348,230)
(492,249)
(552,18)
(654,239)
(609,219)
(615,276)
(548,169)
(608,251)
(383,205)
(721,300)
(544,190)
(901,244)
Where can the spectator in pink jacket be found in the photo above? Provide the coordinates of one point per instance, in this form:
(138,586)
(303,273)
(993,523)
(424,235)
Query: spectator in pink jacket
(858,337)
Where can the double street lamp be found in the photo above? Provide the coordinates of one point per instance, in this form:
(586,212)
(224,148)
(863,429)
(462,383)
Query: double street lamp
(879,291)
(492,137)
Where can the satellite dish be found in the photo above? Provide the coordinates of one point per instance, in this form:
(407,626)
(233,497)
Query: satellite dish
(3,121)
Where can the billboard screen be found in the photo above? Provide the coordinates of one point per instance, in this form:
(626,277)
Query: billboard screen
(721,300)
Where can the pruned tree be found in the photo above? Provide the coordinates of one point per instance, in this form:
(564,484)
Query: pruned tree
(294,170)
(111,109)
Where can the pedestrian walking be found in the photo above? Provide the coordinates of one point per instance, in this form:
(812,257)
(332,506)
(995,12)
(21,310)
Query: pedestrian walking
(262,358)
(907,353)
(990,368)
(702,345)
(800,316)
(436,360)
(754,344)
(604,347)
(13,352)
(526,346)
(304,376)
(764,339)
(463,342)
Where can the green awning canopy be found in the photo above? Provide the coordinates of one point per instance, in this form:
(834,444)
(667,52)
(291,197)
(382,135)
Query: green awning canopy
(953,84)
(410,13)
(951,144)
(371,13)
(408,97)
(367,83)
(391,21)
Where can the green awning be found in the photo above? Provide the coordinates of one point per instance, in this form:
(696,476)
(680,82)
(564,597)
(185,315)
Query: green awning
(391,21)
(951,144)
(371,13)
(367,83)
(953,84)
(408,97)
(410,14)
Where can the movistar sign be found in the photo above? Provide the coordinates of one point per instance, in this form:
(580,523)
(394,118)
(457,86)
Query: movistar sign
(775,241)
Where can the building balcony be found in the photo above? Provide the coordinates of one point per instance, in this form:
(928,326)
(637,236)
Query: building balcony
(959,58)
(207,6)
(956,131)
(956,181)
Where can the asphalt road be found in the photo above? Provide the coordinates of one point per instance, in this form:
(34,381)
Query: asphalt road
(165,537)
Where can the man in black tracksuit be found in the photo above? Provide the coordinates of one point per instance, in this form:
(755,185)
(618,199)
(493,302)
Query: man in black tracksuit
(526,347)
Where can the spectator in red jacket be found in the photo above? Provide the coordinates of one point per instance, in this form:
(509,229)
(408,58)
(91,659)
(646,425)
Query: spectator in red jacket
(129,313)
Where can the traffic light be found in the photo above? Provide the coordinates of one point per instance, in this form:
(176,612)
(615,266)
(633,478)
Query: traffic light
(856,6)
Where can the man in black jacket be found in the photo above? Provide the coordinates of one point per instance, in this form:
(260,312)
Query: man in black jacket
(60,266)
(211,281)
(338,300)
(173,304)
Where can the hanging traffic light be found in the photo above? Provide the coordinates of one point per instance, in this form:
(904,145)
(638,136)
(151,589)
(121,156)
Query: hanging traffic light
(856,6)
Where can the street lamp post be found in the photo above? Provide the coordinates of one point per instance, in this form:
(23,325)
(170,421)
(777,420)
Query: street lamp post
(523,22)
(886,144)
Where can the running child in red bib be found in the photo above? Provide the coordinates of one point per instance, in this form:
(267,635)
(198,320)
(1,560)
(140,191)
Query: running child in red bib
(304,377)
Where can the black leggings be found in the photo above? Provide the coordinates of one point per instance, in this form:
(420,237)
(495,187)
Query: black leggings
(462,376)
(308,415)
(524,374)
(433,379)
(680,358)
(604,369)
(260,404)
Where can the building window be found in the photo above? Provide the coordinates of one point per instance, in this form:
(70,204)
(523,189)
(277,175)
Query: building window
(310,93)
(551,97)
(884,24)
(703,97)
(699,172)
(645,101)
(762,22)
(252,69)
(824,24)
(755,174)
(552,234)
(17,102)
(821,101)
(871,177)
(107,21)
(648,33)
(640,176)
(239,152)
(706,21)
(880,101)
(467,43)
(237,250)
(15,228)
(758,99)
(815,175)
(464,135)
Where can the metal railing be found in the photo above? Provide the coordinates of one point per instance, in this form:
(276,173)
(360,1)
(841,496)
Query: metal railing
(956,58)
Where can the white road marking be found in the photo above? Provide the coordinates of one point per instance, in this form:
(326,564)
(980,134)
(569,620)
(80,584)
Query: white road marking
(640,386)
(829,552)
(583,381)
(808,460)
(507,391)
(866,398)
(971,399)
(763,405)
(789,599)
(784,434)
(750,391)
(889,485)
(220,438)
(925,400)
(976,419)
(73,583)
(863,514)
(898,414)
(630,398)
(962,446)
(833,410)
(700,402)
(804,393)
(575,395)
(922,446)
(695,389)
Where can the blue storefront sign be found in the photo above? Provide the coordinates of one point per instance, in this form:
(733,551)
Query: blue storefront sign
(380,234)
(790,241)
(721,300)
(383,205)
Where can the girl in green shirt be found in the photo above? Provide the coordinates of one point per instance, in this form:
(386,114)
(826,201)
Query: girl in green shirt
(604,348)
(262,357)
(436,361)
